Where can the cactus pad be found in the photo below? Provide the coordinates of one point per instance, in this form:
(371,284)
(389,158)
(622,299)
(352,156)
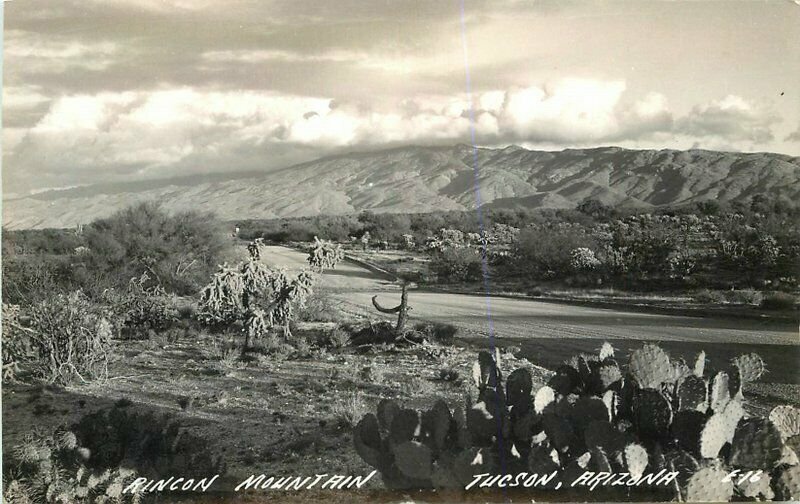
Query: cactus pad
(692,394)
(734,381)
(700,364)
(652,413)
(387,409)
(756,444)
(518,387)
(606,351)
(751,365)
(719,394)
(788,484)
(650,366)
(405,426)
(413,459)
(543,398)
(636,459)
(436,424)
(707,485)
(787,420)
(486,371)
(687,428)
(367,440)
(565,380)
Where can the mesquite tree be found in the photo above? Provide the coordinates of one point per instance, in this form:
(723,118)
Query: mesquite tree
(401,310)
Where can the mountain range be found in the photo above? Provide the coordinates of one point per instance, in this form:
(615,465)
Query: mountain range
(424,179)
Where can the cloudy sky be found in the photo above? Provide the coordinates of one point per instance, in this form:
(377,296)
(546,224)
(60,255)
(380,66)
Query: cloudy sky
(113,90)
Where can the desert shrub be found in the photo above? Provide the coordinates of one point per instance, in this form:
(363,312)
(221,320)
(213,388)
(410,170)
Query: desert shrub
(438,332)
(72,338)
(372,374)
(320,306)
(583,259)
(416,386)
(449,374)
(710,297)
(744,296)
(15,342)
(154,445)
(338,338)
(55,468)
(141,307)
(178,250)
(778,301)
(458,265)
(543,252)
(347,411)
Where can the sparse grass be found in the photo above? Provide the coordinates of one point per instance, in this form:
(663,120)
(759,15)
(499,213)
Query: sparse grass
(338,338)
(416,386)
(372,374)
(348,411)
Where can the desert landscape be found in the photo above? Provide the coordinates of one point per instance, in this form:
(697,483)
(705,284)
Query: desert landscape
(407,251)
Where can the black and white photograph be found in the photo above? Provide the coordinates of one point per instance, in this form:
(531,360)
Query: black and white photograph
(400,251)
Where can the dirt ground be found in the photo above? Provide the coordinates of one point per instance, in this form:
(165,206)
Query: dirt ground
(263,416)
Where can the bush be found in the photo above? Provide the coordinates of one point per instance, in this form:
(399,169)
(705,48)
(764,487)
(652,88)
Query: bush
(348,411)
(338,338)
(778,301)
(438,332)
(710,297)
(545,253)
(72,337)
(143,308)
(179,251)
(745,296)
(14,342)
(458,265)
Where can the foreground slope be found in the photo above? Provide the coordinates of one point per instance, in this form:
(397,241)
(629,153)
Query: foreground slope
(423,179)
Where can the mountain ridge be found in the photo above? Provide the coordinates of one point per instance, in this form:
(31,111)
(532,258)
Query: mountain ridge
(422,179)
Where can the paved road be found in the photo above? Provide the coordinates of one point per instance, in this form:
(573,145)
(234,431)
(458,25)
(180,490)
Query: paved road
(520,318)
(548,333)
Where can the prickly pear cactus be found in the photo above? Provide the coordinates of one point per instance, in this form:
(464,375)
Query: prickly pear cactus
(751,366)
(787,420)
(756,443)
(656,414)
(650,367)
(708,485)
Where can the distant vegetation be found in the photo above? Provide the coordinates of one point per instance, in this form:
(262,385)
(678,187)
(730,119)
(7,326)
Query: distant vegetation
(755,245)
(178,252)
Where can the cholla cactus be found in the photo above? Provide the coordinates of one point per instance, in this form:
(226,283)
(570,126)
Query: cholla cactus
(583,259)
(324,254)
(255,295)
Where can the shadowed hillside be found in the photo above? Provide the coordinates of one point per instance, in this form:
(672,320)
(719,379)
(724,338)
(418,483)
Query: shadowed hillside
(421,179)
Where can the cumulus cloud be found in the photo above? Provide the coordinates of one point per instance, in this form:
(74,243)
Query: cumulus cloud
(733,118)
(168,132)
